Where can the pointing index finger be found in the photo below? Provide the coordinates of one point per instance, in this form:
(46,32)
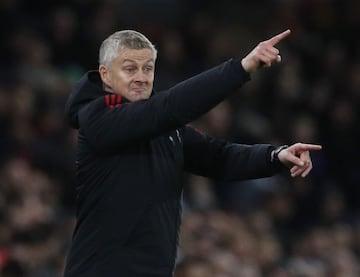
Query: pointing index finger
(309,147)
(276,39)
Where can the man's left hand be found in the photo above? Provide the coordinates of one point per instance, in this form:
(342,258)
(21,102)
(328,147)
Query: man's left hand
(297,158)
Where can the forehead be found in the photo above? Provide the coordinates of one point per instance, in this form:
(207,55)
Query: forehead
(136,55)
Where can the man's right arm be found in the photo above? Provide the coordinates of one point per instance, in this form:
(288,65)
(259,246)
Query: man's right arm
(108,127)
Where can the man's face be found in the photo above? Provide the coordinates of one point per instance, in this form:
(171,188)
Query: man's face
(131,74)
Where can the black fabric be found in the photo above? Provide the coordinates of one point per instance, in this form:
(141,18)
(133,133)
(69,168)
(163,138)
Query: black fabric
(130,164)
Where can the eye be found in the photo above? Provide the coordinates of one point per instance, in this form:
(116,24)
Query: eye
(149,69)
(129,69)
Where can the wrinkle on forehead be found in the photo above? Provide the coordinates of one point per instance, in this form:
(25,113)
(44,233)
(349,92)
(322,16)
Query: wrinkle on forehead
(136,55)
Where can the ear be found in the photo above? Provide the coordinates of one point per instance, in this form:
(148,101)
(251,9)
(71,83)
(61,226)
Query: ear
(104,74)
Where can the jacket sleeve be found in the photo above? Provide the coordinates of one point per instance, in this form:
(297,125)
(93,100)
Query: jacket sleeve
(221,160)
(108,127)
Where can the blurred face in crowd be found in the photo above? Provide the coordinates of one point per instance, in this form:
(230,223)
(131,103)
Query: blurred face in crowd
(131,74)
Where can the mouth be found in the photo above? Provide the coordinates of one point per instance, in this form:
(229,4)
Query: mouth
(139,90)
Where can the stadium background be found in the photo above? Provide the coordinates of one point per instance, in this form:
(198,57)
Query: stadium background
(275,227)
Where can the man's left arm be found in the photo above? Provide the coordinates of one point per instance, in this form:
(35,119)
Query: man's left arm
(222,160)
(218,159)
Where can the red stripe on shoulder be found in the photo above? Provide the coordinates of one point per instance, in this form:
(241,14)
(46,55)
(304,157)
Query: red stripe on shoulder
(113,100)
(118,100)
(107,101)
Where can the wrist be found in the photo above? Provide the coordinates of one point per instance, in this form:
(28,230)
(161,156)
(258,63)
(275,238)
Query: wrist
(246,66)
(274,158)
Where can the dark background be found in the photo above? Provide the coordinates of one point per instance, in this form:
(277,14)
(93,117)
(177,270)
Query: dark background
(276,226)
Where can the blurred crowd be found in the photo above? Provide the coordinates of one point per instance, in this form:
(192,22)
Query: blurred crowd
(276,227)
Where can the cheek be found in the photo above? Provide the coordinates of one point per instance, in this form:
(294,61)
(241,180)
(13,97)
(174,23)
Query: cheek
(151,85)
(151,79)
(122,80)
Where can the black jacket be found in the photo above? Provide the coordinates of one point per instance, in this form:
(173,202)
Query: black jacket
(130,163)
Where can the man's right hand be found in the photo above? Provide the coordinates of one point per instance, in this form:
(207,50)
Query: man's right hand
(264,54)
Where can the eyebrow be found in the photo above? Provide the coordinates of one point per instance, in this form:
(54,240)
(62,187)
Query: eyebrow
(133,61)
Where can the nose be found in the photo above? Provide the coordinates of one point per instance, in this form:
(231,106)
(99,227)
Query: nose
(141,76)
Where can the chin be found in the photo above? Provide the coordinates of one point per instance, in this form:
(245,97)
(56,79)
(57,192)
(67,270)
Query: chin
(138,97)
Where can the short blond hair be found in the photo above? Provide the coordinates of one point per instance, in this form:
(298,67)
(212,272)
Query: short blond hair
(126,39)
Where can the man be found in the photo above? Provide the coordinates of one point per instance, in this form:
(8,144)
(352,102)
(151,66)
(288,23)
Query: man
(133,146)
